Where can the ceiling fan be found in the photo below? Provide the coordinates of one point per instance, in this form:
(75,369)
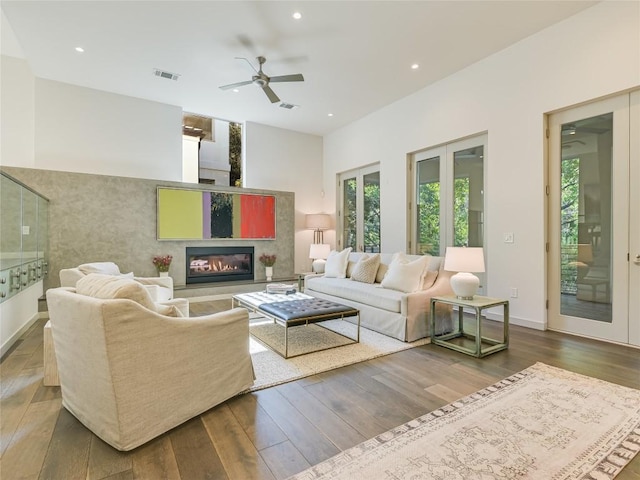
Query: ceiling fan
(263,80)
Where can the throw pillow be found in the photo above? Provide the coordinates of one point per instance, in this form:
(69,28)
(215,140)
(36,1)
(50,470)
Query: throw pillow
(366,269)
(106,268)
(336,266)
(405,277)
(350,266)
(109,287)
(382,271)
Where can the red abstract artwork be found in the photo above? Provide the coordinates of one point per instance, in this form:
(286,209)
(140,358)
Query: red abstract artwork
(258,216)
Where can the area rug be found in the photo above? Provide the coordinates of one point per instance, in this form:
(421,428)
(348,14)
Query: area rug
(271,369)
(542,423)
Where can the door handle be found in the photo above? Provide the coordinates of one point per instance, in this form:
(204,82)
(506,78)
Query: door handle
(637,260)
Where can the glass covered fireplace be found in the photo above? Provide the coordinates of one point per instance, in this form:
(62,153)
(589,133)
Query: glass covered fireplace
(219,264)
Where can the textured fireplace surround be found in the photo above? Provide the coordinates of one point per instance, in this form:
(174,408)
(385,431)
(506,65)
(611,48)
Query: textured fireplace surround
(105,218)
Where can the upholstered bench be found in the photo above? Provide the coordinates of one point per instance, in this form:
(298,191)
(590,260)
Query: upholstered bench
(307,310)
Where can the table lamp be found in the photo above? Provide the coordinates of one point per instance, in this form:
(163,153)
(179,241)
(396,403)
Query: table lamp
(464,260)
(318,222)
(319,252)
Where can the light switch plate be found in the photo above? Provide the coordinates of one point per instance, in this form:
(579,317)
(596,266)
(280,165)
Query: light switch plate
(508,237)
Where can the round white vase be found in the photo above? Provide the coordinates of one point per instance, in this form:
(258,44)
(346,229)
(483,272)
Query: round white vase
(269,272)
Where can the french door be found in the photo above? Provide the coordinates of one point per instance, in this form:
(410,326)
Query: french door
(449,197)
(359,209)
(594,279)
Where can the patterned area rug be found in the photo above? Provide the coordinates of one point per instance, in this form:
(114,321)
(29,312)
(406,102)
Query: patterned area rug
(542,423)
(303,339)
(271,369)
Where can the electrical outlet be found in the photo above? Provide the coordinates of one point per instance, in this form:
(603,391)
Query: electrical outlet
(514,292)
(508,237)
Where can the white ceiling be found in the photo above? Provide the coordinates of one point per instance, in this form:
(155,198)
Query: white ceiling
(355,55)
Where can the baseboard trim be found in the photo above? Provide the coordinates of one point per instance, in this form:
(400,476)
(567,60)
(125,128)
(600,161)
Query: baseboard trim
(521,322)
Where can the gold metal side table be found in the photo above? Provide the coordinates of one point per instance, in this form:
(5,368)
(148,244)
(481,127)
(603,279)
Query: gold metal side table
(470,343)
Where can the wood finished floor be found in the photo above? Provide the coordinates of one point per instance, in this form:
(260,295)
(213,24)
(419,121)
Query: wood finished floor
(276,432)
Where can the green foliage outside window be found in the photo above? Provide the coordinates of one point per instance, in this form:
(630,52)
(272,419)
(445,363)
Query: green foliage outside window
(569,213)
(372,217)
(461,212)
(235,154)
(429,218)
(349,226)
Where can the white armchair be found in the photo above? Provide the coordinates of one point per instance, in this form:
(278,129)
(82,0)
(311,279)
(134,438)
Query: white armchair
(160,288)
(129,373)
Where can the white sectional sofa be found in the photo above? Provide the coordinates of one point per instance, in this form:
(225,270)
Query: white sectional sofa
(400,314)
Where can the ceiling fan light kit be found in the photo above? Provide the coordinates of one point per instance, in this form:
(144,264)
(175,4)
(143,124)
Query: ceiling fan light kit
(262,80)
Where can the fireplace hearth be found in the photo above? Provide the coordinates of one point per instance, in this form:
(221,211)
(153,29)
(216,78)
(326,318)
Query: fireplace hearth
(219,264)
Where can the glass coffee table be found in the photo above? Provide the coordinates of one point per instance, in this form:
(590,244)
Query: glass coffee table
(297,309)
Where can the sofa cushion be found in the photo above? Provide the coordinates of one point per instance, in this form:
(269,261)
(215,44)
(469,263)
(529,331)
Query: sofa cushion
(336,266)
(366,269)
(109,287)
(406,276)
(365,293)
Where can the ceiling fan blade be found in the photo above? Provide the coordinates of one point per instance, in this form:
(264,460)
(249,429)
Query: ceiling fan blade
(297,77)
(247,60)
(234,85)
(271,94)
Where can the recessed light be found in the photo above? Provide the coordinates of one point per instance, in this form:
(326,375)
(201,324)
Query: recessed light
(235,90)
(297,15)
(415,66)
(330,115)
(79,49)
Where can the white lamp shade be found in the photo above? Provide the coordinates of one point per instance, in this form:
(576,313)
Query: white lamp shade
(319,250)
(318,221)
(464,259)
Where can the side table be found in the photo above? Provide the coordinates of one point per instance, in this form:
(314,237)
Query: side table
(459,340)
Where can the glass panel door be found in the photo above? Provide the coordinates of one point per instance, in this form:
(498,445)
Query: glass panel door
(427,223)
(449,197)
(634,219)
(349,213)
(371,212)
(360,209)
(468,197)
(589,214)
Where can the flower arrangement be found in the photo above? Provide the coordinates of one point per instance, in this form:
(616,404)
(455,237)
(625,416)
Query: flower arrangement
(162,262)
(267,260)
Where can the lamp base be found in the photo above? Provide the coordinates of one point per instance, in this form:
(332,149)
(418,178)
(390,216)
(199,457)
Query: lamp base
(318,265)
(465,285)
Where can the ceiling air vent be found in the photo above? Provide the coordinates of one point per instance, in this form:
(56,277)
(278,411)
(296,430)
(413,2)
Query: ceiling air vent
(288,106)
(164,74)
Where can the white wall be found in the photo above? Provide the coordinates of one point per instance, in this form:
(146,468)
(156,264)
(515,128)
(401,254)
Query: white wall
(592,54)
(279,159)
(83,130)
(16,113)
(190,147)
